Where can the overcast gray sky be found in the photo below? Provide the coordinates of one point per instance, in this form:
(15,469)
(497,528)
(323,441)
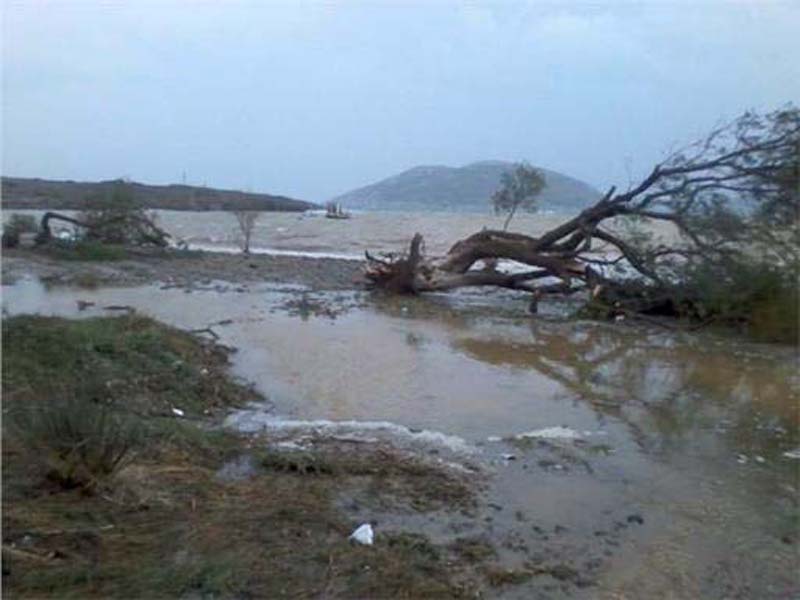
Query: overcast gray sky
(310,99)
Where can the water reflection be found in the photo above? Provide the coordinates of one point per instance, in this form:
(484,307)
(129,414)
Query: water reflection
(666,387)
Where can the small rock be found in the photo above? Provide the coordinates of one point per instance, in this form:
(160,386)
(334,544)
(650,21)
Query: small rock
(760,459)
(508,456)
(741,459)
(635,518)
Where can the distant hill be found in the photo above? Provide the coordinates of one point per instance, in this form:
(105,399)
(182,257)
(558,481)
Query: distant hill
(462,189)
(19,192)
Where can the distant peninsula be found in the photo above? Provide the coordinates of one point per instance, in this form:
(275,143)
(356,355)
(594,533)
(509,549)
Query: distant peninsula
(31,193)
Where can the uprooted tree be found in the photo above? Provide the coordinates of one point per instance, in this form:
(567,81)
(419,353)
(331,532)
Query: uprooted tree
(731,202)
(114,219)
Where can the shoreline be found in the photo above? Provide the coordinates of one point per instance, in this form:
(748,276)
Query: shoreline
(184,268)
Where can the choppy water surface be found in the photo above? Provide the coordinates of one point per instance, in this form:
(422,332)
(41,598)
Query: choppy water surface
(678,486)
(313,233)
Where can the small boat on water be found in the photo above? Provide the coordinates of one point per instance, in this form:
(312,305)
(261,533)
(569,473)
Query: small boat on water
(335,211)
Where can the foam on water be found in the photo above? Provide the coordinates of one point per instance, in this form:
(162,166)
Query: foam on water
(256,419)
(225,249)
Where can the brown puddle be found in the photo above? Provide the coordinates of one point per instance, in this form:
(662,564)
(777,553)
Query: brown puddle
(677,484)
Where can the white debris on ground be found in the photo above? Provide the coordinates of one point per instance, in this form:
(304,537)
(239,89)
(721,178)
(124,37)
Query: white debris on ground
(792,453)
(558,432)
(291,445)
(363,534)
(177,412)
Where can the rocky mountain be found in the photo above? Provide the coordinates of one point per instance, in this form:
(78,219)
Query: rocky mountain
(19,192)
(463,189)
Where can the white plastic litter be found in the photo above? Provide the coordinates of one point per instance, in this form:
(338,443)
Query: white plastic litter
(177,411)
(792,453)
(494,438)
(363,534)
(558,432)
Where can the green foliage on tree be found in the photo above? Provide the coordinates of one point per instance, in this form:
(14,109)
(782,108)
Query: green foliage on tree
(519,188)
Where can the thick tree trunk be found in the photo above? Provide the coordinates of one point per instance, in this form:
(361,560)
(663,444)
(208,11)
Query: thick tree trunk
(752,161)
(414,273)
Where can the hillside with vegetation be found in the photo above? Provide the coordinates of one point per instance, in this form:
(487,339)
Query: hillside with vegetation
(464,189)
(27,193)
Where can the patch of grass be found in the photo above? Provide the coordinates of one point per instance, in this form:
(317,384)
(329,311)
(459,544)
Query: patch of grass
(390,477)
(130,362)
(473,549)
(188,534)
(80,443)
(498,577)
(169,526)
(86,250)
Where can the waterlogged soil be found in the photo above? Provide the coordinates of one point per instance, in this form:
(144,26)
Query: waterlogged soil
(186,269)
(610,460)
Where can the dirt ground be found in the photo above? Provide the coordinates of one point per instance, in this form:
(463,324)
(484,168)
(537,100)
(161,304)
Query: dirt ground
(182,269)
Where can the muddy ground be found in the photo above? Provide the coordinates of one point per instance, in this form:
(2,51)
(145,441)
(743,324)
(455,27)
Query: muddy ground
(182,269)
(632,510)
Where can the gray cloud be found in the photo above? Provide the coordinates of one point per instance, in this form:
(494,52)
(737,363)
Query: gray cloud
(311,99)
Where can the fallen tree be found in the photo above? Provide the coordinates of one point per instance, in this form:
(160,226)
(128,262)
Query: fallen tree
(113,219)
(732,198)
(118,229)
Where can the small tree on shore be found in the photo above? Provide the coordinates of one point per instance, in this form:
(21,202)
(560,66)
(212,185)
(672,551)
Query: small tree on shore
(518,189)
(246,220)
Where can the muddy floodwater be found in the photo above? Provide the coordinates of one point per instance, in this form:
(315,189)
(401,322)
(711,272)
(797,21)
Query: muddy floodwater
(311,233)
(663,464)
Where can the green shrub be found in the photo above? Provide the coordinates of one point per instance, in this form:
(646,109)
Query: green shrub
(760,296)
(77,438)
(89,250)
(22,223)
(16,225)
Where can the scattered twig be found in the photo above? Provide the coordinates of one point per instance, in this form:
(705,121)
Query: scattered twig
(207,330)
